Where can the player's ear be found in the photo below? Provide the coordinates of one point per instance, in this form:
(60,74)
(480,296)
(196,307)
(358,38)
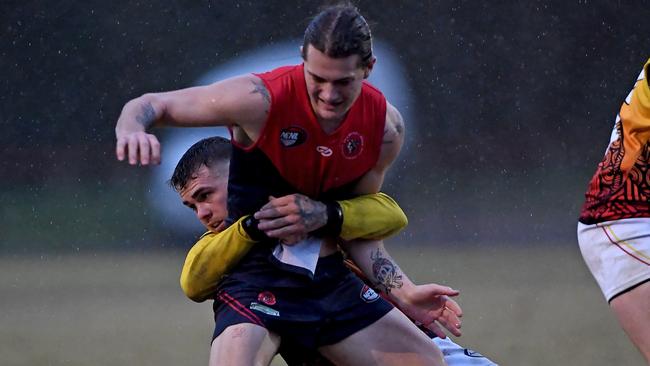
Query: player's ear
(368,67)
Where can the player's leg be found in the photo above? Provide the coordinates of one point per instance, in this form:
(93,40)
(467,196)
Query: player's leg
(391,340)
(240,335)
(632,309)
(360,328)
(618,255)
(244,344)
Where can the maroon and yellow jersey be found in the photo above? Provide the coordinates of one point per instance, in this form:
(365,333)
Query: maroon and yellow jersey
(620,188)
(309,159)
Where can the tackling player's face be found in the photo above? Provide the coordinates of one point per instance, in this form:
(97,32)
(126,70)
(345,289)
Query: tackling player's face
(206,194)
(333,84)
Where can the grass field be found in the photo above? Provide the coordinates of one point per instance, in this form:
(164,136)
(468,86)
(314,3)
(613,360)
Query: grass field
(523,306)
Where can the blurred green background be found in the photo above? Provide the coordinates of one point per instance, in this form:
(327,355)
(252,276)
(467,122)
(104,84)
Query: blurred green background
(513,107)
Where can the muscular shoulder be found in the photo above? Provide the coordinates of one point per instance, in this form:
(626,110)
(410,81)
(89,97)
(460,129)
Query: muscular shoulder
(394,128)
(393,134)
(390,147)
(245,101)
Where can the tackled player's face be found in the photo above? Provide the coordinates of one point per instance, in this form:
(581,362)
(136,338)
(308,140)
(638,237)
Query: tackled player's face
(333,84)
(206,194)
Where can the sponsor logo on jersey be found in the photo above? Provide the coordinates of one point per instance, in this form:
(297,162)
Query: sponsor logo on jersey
(264,309)
(472,353)
(368,294)
(266,297)
(292,136)
(324,150)
(352,145)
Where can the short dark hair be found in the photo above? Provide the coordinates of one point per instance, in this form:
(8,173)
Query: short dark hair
(339,31)
(208,152)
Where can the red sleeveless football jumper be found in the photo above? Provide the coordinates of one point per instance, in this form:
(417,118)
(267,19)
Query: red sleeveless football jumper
(306,157)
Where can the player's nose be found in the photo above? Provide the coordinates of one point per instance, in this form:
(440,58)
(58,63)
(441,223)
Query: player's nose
(203,213)
(328,93)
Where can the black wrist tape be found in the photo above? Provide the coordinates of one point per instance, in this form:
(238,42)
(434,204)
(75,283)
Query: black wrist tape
(334,221)
(250,227)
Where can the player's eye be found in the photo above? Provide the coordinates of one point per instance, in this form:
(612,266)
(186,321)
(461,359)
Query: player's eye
(204,196)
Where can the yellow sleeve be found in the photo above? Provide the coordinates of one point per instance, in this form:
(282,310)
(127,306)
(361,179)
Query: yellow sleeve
(635,120)
(371,216)
(214,255)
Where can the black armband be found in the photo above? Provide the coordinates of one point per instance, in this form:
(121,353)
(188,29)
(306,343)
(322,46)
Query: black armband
(250,227)
(334,221)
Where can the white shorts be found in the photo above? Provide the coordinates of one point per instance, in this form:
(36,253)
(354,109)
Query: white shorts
(617,253)
(456,355)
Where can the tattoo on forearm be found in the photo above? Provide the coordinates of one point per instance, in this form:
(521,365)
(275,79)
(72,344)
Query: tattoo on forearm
(261,88)
(147,115)
(387,274)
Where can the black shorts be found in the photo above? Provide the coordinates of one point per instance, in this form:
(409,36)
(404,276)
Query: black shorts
(328,308)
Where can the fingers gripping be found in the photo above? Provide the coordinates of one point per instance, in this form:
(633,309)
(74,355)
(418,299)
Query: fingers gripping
(280,218)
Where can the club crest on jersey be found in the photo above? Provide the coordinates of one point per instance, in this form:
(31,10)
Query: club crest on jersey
(352,145)
(266,297)
(368,294)
(292,136)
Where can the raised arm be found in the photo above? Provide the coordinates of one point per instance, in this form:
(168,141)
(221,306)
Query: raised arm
(241,102)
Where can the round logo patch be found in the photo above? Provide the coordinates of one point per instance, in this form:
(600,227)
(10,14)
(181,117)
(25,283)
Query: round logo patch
(368,294)
(292,136)
(266,297)
(352,145)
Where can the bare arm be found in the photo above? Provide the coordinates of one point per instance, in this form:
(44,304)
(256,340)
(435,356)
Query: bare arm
(241,102)
(427,304)
(391,145)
